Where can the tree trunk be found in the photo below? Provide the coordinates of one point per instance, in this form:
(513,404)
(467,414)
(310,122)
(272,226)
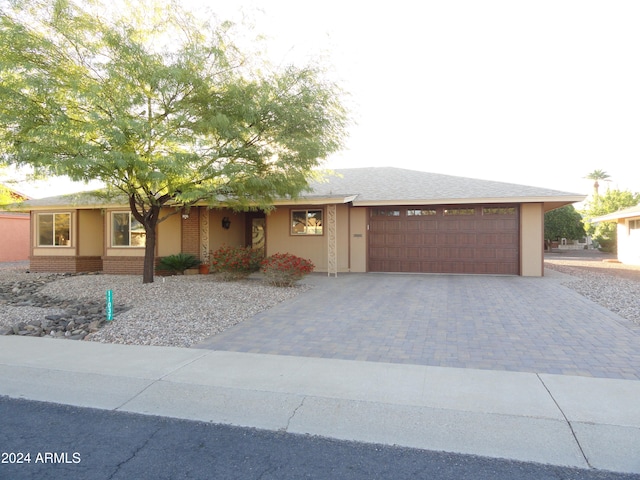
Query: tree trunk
(149,219)
(150,223)
(149,253)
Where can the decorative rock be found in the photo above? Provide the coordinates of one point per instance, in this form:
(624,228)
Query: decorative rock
(75,320)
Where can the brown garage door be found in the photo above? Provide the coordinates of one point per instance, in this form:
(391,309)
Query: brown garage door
(444,239)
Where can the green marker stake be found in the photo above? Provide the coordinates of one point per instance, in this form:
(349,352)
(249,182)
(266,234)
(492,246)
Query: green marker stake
(109,305)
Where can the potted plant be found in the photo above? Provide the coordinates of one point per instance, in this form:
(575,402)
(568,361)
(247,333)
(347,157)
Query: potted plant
(205,265)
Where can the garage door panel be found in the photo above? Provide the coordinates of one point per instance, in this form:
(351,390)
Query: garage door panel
(468,239)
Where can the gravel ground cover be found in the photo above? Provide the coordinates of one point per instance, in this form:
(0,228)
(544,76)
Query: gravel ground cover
(177,311)
(601,279)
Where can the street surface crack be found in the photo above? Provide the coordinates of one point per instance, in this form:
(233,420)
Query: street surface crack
(575,437)
(134,454)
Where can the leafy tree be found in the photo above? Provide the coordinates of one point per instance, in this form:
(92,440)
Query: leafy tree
(160,106)
(597,175)
(564,222)
(5,196)
(605,233)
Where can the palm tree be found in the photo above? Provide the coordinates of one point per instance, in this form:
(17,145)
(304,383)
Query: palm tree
(595,176)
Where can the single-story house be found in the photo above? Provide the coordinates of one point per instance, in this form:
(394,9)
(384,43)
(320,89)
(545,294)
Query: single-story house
(356,220)
(628,233)
(14,232)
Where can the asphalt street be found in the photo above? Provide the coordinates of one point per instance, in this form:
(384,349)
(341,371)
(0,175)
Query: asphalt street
(40,440)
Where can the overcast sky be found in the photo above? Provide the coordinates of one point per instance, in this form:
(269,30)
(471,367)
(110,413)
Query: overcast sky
(532,92)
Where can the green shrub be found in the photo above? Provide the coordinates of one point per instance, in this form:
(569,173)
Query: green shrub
(285,269)
(236,262)
(178,263)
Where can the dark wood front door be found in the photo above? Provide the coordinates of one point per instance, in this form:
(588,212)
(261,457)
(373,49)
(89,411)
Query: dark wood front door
(256,231)
(472,239)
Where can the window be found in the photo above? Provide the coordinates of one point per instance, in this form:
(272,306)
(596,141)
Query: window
(306,222)
(126,231)
(460,211)
(634,227)
(498,210)
(385,212)
(416,212)
(54,229)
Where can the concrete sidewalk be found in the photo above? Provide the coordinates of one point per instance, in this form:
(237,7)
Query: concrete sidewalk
(555,419)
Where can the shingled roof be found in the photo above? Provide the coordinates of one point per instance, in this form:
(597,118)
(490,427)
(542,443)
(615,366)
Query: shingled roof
(389,185)
(372,186)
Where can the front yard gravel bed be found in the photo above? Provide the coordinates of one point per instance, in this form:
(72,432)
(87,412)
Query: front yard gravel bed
(177,311)
(614,286)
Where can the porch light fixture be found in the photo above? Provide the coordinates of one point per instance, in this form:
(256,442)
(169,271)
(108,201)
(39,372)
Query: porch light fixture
(185,216)
(226,223)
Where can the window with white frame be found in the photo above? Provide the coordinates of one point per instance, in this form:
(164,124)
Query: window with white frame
(126,231)
(306,222)
(54,229)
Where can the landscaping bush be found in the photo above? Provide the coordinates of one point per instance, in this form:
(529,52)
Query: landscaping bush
(177,263)
(285,269)
(236,262)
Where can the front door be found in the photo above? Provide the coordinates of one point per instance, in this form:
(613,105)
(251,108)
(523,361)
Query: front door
(256,235)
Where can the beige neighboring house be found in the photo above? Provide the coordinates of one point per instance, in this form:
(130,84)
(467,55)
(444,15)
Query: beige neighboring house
(628,233)
(357,220)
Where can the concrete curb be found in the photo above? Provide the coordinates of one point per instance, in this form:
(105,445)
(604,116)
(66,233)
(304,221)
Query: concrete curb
(554,419)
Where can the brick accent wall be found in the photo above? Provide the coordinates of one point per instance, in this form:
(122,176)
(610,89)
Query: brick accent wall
(65,264)
(123,265)
(191,233)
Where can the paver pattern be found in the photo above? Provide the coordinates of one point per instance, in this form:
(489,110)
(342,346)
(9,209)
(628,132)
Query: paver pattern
(486,322)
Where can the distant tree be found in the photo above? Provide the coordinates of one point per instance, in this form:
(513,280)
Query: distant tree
(596,176)
(605,233)
(160,106)
(5,196)
(564,222)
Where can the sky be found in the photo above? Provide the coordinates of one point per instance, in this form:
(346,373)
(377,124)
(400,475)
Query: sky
(536,93)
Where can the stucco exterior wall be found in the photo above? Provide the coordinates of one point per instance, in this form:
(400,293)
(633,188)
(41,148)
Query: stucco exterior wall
(628,242)
(89,234)
(168,241)
(14,237)
(531,240)
(234,236)
(313,247)
(358,237)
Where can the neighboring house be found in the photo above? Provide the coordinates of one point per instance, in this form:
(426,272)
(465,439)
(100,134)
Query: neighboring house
(628,233)
(358,220)
(14,233)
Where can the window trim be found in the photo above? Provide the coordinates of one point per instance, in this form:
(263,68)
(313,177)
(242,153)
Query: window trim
(68,242)
(306,212)
(112,230)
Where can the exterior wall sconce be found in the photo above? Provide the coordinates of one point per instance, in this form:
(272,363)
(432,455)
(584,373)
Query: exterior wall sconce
(185,216)
(226,223)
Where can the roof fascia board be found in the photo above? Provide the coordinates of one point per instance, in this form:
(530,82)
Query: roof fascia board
(467,201)
(316,200)
(615,216)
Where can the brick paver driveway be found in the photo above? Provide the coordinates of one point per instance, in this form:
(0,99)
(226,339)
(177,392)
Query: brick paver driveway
(500,323)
